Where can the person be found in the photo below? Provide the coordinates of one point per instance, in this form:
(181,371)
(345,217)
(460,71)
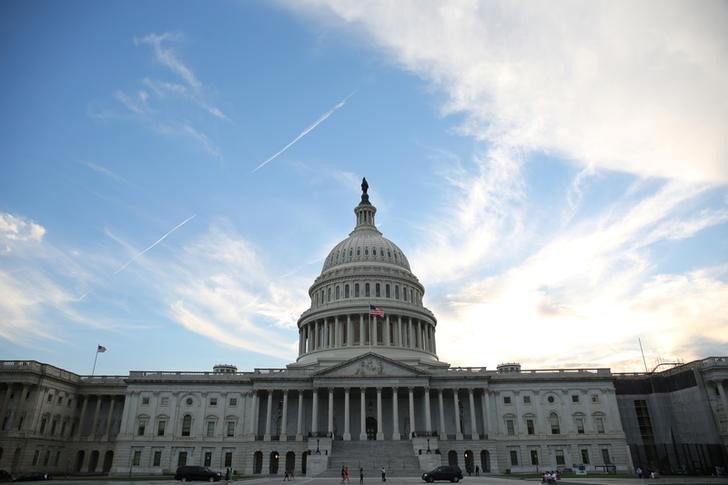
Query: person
(638,471)
(384,475)
(285,476)
(346,474)
(361,475)
(343,474)
(228,476)
(477,470)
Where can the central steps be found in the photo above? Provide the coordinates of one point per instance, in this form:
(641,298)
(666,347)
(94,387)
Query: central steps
(397,457)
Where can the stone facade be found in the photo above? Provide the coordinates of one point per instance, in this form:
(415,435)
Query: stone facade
(366,390)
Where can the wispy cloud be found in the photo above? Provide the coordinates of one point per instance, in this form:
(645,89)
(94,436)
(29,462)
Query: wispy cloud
(168,57)
(104,171)
(305,132)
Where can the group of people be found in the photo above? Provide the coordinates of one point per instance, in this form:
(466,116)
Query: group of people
(550,477)
(645,473)
(345,474)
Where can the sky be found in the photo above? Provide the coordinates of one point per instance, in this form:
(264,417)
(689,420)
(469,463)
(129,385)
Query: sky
(174,173)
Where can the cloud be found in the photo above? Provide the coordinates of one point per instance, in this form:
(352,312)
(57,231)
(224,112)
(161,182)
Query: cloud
(104,171)
(167,57)
(17,229)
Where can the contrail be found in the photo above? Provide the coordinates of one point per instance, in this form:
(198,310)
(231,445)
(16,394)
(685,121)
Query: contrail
(305,132)
(155,243)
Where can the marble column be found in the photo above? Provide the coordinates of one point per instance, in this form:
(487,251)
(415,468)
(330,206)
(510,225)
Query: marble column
(721,393)
(374,337)
(314,412)
(325,324)
(387,331)
(442,434)
(428,417)
(284,418)
(362,399)
(347,414)
(456,404)
(484,410)
(95,421)
(299,420)
(399,331)
(349,332)
(361,331)
(473,422)
(330,427)
(82,417)
(108,419)
(380,432)
(411,411)
(395,415)
(268,412)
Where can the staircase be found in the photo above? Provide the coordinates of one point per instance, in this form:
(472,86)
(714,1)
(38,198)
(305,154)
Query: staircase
(397,457)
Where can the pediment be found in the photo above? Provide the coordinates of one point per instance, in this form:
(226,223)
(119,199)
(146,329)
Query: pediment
(370,365)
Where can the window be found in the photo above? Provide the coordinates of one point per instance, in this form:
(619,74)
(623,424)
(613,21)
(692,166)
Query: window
(514,457)
(35,457)
(550,399)
(165,401)
(338,292)
(231,428)
(388,294)
(182,458)
(50,397)
(233,401)
(404,293)
(60,399)
(595,397)
(526,399)
(509,427)
(377,290)
(228,458)
(208,458)
(574,398)
(213,401)
(42,425)
(534,457)
(530,427)
(643,419)
(560,457)
(157,460)
(189,401)
(346,291)
(54,424)
(605,456)
(554,420)
(141,428)
(145,401)
(585,456)
(580,425)
(137,458)
(367,292)
(356,290)
(186,425)
(599,422)
(160,427)
(57,459)
(506,399)
(396,292)
(328,294)
(63,428)
(210,430)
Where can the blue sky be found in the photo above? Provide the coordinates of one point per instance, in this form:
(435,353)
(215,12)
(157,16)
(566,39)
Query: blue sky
(555,171)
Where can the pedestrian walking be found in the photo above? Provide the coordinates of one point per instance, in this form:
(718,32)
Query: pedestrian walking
(361,475)
(384,475)
(343,473)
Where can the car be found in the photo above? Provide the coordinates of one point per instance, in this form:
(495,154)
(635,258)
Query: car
(445,472)
(198,473)
(33,477)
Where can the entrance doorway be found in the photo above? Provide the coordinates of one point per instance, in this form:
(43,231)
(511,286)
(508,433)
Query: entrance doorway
(371,428)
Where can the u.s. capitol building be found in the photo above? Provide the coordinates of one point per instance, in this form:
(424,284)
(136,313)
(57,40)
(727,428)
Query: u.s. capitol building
(367,389)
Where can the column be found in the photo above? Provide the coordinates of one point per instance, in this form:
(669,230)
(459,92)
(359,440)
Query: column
(374,337)
(299,421)
(94,422)
(325,325)
(268,412)
(411,328)
(380,432)
(399,330)
(362,419)
(442,434)
(387,331)
(108,419)
(411,411)
(253,426)
(567,421)
(473,423)
(347,430)
(434,341)
(284,418)
(314,412)
(484,410)
(330,427)
(361,332)
(395,415)
(721,394)
(418,340)
(428,418)
(456,403)
(349,332)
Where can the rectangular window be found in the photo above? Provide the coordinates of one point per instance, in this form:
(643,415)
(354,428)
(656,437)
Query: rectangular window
(560,457)
(46,457)
(643,419)
(396,292)
(60,399)
(165,401)
(595,397)
(210,429)
(526,399)
(63,428)
(42,425)
(137,459)
(208,458)
(530,427)
(141,428)
(233,401)
(231,428)
(157,458)
(145,401)
(35,457)
(160,428)
(366,290)
(585,456)
(509,426)
(54,423)
(50,397)
(182,458)
(599,421)
(514,458)
(58,458)
(213,401)
(377,290)
(574,398)
(534,457)
(605,456)
(580,425)
(506,399)
(228,458)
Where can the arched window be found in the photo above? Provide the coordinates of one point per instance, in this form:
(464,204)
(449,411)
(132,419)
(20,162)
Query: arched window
(356,290)
(186,425)
(387,293)
(377,291)
(338,292)
(554,421)
(358,251)
(322,296)
(396,292)
(366,290)
(346,291)
(328,294)
(366,251)
(404,293)
(411,296)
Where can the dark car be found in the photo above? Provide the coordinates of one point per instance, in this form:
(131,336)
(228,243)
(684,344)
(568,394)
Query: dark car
(33,477)
(199,473)
(447,472)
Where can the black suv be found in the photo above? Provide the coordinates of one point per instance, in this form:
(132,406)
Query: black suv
(203,473)
(449,472)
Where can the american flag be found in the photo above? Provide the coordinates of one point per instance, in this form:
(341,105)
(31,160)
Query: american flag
(377,311)
(101,348)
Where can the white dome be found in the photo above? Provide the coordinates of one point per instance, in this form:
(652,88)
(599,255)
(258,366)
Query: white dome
(365,246)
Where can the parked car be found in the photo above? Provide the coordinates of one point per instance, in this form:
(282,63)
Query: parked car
(198,473)
(447,472)
(33,477)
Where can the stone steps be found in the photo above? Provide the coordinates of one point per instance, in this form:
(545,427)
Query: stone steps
(397,457)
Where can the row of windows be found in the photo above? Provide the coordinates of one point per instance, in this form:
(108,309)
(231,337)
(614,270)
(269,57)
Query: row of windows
(227,458)
(554,424)
(356,291)
(340,255)
(164,401)
(560,457)
(230,426)
(574,398)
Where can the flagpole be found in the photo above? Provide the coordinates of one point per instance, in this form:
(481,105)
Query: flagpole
(95,359)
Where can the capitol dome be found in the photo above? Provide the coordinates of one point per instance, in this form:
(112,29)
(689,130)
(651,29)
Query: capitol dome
(366,299)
